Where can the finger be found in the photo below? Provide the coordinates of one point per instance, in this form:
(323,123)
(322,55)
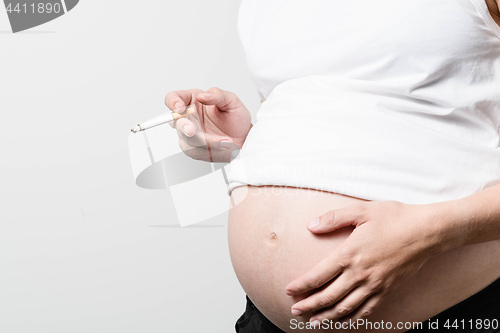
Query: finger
(179,99)
(222,151)
(224,100)
(185,127)
(320,274)
(196,140)
(200,139)
(346,306)
(366,309)
(324,298)
(339,218)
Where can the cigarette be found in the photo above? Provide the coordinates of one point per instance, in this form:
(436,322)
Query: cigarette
(166,118)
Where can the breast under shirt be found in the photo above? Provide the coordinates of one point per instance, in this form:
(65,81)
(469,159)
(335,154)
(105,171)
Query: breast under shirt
(381,100)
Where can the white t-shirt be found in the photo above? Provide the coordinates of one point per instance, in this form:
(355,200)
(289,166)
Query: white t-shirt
(382,100)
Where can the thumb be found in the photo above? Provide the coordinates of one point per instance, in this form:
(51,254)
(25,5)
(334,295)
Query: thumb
(339,218)
(224,100)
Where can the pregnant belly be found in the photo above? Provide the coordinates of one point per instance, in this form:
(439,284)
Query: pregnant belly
(270,246)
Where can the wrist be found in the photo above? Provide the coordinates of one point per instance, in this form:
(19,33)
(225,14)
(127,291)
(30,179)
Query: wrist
(241,141)
(446,229)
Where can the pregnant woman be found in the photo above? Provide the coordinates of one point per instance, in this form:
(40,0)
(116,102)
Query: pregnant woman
(369,185)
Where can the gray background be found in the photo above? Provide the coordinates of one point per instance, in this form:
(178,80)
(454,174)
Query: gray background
(80,246)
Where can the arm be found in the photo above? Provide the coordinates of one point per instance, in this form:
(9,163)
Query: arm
(366,268)
(476,219)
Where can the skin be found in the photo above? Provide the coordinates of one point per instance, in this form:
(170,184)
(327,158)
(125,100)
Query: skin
(364,269)
(357,275)
(224,123)
(494,7)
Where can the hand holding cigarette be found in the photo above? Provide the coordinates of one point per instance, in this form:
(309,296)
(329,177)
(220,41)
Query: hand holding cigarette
(219,126)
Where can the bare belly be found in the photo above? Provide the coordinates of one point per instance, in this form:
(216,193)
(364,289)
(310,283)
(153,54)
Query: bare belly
(270,246)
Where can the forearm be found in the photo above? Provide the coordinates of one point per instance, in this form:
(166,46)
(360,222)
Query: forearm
(470,220)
